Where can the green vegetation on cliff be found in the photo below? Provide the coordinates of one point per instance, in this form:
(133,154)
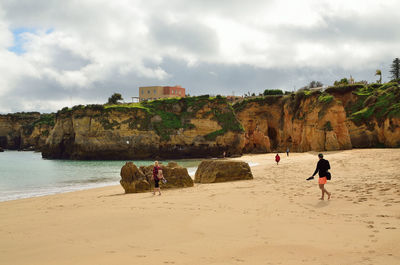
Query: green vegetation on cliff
(44,120)
(164,116)
(261,100)
(375,101)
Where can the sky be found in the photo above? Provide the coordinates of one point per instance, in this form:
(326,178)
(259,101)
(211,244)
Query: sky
(57,53)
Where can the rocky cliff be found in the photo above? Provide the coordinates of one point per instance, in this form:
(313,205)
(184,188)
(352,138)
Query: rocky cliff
(173,128)
(341,117)
(29,130)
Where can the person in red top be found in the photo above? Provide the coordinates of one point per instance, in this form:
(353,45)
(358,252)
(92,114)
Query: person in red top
(277,159)
(156,168)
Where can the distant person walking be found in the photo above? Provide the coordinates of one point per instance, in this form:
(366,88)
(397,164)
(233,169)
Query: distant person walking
(156,178)
(322,168)
(277,159)
(287,151)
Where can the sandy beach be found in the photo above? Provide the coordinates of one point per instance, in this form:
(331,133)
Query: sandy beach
(274,219)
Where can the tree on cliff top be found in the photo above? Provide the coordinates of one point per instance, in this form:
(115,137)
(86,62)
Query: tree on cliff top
(395,69)
(268,92)
(379,72)
(343,81)
(114,98)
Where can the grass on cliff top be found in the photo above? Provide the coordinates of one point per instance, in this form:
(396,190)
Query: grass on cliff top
(261,100)
(375,100)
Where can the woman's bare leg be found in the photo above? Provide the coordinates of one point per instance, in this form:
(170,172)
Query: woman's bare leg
(321,186)
(329,194)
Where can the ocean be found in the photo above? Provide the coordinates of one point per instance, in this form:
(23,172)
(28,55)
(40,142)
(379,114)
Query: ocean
(27,174)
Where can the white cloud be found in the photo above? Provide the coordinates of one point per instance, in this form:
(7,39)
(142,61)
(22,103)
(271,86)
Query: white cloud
(92,48)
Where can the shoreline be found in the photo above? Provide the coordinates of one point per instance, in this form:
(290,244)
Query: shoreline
(274,218)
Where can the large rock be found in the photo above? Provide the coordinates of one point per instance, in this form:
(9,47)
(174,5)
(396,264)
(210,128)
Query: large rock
(132,179)
(176,176)
(1,149)
(211,171)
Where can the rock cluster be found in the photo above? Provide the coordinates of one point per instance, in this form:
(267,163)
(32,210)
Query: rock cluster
(134,179)
(212,171)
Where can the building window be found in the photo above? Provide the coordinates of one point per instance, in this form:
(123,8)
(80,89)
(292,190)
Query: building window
(148,91)
(154,91)
(142,91)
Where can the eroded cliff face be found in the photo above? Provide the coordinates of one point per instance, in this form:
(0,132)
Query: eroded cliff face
(20,131)
(339,118)
(320,121)
(278,123)
(179,128)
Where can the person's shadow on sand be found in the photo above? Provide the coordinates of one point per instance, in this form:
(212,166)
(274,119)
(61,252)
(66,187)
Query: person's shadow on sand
(319,204)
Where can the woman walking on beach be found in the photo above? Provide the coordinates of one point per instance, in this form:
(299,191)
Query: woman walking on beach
(156,170)
(322,168)
(277,159)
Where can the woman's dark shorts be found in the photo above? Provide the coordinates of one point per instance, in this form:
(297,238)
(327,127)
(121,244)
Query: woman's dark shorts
(156,183)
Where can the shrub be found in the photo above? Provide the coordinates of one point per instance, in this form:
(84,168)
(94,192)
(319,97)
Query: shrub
(325,98)
(328,126)
(342,89)
(268,92)
(213,135)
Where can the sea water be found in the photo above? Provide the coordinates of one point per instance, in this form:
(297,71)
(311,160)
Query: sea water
(27,174)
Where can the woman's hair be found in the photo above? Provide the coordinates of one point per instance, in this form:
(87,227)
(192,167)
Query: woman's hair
(320,155)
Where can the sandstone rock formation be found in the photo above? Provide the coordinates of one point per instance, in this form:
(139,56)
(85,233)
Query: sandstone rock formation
(212,171)
(173,128)
(176,176)
(276,123)
(25,131)
(132,179)
(341,117)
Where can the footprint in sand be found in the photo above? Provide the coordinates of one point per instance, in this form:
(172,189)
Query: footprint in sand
(382,215)
(391,227)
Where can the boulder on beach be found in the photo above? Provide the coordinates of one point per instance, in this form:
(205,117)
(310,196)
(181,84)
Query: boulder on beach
(132,179)
(176,176)
(212,171)
(1,149)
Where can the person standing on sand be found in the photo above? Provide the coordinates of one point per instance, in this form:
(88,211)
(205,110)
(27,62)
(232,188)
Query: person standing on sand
(322,168)
(156,168)
(287,151)
(277,159)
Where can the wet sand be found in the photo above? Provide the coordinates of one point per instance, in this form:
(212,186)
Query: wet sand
(274,219)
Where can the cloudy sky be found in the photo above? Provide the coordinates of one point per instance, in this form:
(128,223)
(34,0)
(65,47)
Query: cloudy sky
(56,53)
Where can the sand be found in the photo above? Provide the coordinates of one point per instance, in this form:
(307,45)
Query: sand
(274,219)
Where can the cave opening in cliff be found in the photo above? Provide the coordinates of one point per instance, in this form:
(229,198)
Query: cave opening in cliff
(272,137)
(3,141)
